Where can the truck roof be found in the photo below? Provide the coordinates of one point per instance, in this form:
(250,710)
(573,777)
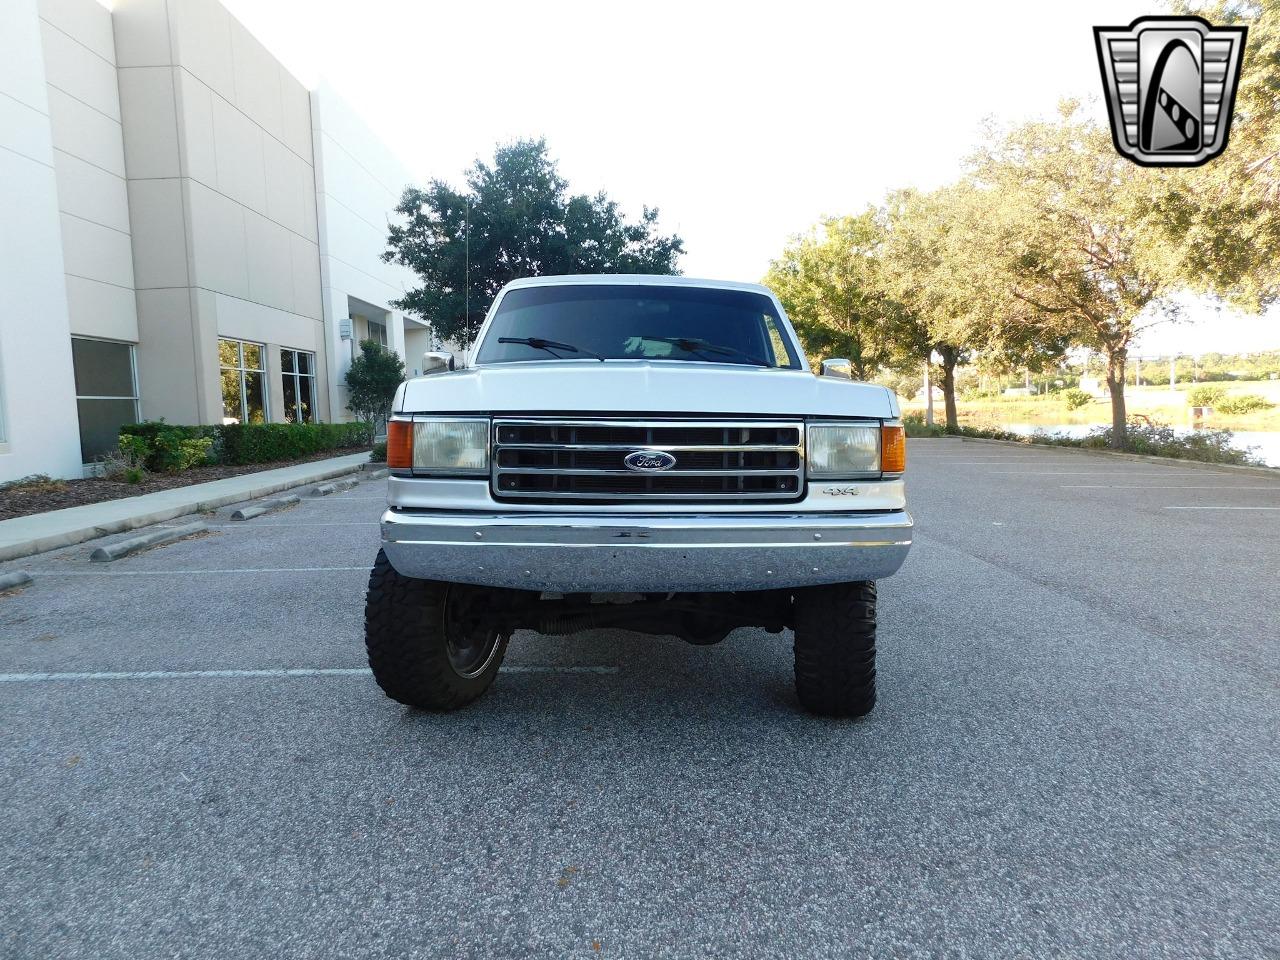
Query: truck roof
(637,279)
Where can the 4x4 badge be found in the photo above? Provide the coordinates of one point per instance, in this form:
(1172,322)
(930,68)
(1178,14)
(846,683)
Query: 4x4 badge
(1170,84)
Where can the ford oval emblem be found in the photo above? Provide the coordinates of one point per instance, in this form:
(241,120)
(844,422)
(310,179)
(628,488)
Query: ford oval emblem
(649,461)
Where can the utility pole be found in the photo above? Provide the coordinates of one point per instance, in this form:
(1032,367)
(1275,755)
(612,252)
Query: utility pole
(1173,371)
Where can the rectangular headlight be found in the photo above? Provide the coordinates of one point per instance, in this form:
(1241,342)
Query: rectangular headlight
(451,446)
(843,450)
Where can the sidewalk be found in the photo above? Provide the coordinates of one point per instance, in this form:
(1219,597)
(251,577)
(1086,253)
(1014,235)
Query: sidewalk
(24,536)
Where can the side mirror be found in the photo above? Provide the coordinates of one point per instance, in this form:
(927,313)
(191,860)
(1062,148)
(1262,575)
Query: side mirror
(436,361)
(839,368)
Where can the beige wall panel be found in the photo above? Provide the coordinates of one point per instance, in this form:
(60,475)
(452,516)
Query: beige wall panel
(257,80)
(96,252)
(202,36)
(287,182)
(246,320)
(91,193)
(270,263)
(102,310)
(306,277)
(208,379)
(296,104)
(82,131)
(310,207)
(166,356)
(195,129)
(217,241)
(22,63)
(238,144)
(142,33)
(159,233)
(150,122)
(85,21)
(25,131)
(76,70)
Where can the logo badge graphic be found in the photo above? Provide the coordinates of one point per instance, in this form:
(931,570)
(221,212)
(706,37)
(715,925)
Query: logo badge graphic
(1170,84)
(649,461)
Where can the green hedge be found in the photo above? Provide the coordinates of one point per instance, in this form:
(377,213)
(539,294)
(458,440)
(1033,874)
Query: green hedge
(169,448)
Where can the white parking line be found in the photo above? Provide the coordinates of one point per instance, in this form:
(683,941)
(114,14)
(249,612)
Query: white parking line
(1071,473)
(1222,508)
(1275,488)
(183,573)
(255,674)
(298,523)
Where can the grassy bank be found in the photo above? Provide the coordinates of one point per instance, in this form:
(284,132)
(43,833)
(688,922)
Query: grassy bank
(1157,403)
(1148,439)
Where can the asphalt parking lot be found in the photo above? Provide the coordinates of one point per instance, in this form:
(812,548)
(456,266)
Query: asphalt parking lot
(1074,752)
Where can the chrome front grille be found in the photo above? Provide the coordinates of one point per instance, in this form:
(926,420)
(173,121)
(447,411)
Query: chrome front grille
(584,460)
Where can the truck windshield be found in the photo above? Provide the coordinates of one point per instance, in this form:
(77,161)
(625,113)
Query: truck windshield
(638,322)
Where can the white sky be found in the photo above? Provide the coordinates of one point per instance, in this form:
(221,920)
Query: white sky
(743,122)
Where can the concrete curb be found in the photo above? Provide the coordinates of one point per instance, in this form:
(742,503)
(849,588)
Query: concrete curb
(379,473)
(25,536)
(266,506)
(324,489)
(1272,473)
(123,548)
(19,578)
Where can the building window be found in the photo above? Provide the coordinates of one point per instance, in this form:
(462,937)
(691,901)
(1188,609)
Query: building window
(106,393)
(298,371)
(378,332)
(244,395)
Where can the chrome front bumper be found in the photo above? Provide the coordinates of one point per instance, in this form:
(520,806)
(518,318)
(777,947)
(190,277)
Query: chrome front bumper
(614,553)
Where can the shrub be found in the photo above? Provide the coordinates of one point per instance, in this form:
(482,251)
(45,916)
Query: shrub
(915,426)
(126,463)
(168,447)
(379,452)
(1160,440)
(1206,396)
(372,382)
(172,451)
(1076,398)
(1244,403)
(266,442)
(171,448)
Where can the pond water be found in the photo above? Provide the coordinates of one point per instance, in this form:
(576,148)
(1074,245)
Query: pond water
(1265,444)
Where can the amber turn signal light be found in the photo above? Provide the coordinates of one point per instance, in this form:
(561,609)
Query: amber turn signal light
(893,449)
(400,444)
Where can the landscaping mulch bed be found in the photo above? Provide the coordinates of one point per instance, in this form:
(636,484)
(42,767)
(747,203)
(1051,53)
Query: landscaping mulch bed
(22,501)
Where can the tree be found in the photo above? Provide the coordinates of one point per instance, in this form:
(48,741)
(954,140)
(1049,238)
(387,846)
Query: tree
(372,382)
(1226,214)
(949,303)
(1073,234)
(826,280)
(515,218)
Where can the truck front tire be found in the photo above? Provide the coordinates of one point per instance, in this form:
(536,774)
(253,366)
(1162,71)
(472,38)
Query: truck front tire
(835,648)
(427,641)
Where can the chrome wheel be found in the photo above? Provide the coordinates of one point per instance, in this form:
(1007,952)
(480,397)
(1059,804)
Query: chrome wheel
(472,639)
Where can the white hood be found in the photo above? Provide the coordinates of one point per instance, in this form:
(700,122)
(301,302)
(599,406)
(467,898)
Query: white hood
(635,387)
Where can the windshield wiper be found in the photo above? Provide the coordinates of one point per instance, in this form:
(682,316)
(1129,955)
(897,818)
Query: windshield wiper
(551,346)
(694,345)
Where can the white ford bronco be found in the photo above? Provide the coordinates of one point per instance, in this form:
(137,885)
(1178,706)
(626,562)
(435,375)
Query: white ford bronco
(644,453)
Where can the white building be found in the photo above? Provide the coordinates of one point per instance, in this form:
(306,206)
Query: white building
(186,232)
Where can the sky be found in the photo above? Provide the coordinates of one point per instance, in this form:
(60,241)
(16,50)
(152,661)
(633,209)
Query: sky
(743,122)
